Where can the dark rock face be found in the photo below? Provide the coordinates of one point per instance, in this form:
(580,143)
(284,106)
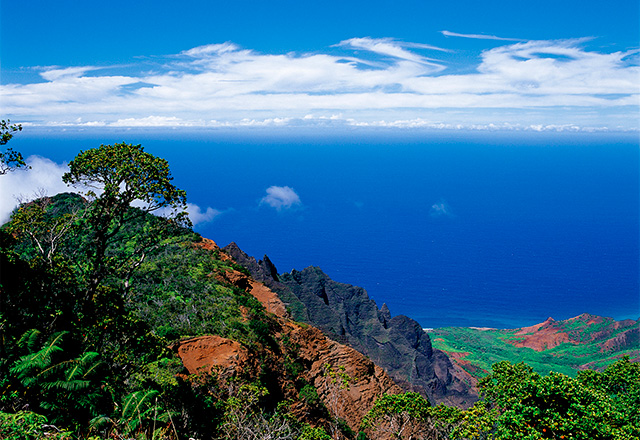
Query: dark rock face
(346,314)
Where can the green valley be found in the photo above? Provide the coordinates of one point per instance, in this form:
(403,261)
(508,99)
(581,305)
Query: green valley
(566,346)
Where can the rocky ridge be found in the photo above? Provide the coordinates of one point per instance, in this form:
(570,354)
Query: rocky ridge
(347,315)
(226,359)
(582,329)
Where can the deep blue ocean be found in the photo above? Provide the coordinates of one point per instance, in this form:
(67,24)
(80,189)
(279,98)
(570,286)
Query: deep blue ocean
(467,229)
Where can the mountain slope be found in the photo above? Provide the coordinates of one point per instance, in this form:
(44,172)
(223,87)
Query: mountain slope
(302,344)
(346,314)
(566,346)
(186,333)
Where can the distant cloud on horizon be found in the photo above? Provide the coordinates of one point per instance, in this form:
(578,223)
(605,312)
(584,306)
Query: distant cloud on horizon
(360,82)
(281,197)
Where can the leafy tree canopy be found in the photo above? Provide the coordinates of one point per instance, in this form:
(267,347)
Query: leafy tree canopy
(403,415)
(125,173)
(9,158)
(116,176)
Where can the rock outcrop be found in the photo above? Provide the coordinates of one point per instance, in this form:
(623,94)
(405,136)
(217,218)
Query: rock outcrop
(205,354)
(607,333)
(309,346)
(347,315)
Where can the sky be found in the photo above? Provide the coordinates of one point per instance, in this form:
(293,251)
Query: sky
(558,65)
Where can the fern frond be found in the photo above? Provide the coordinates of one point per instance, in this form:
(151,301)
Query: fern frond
(89,357)
(67,385)
(57,338)
(29,339)
(76,369)
(136,400)
(34,361)
(100,421)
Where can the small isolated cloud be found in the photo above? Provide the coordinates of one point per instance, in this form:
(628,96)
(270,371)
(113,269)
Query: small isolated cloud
(281,197)
(440,209)
(198,216)
(44,178)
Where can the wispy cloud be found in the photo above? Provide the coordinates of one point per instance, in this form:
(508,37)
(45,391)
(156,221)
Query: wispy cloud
(54,73)
(477,36)
(281,197)
(394,49)
(381,81)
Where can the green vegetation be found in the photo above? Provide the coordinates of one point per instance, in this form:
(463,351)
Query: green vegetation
(483,348)
(521,404)
(94,294)
(10,159)
(402,415)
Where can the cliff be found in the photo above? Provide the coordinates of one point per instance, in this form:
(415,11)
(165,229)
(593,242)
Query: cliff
(295,343)
(346,314)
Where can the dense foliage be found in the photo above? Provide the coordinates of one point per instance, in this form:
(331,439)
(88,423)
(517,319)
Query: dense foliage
(94,291)
(520,404)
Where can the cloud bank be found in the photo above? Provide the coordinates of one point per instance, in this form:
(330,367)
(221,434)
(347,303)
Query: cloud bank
(43,179)
(281,197)
(357,82)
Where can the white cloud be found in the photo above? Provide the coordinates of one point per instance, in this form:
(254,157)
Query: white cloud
(281,197)
(150,121)
(198,216)
(55,73)
(210,49)
(383,80)
(44,178)
(394,49)
(477,36)
(440,209)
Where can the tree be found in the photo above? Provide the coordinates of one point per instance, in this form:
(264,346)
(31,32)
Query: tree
(403,415)
(244,420)
(46,224)
(116,176)
(9,159)
(337,382)
(532,407)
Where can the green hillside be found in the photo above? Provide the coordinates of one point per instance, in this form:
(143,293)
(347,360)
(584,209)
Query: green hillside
(584,342)
(97,298)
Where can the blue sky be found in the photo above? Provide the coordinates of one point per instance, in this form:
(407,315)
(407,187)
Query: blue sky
(545,65)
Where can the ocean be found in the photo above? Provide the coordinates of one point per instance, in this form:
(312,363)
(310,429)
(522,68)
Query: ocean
(488,229)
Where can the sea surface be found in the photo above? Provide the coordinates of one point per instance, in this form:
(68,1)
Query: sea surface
(491,229)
